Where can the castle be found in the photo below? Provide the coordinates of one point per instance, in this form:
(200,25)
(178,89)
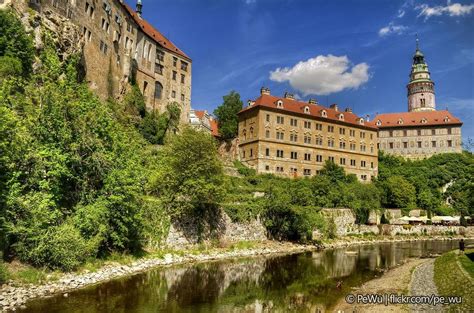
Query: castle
(422,131)
(119,46)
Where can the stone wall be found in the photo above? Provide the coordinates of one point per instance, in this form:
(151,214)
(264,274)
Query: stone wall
(430,230)
(186,233)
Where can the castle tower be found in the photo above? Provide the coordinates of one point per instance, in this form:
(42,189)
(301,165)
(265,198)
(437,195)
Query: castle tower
(421,96)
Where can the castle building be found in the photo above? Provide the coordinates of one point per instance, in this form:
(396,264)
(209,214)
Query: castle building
(284,136)
(119,45)
(422,131)
(202,120)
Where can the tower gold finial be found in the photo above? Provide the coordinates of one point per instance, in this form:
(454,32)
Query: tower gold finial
(417,42)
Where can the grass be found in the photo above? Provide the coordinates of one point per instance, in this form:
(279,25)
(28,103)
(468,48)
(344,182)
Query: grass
(468,263)
(452,281)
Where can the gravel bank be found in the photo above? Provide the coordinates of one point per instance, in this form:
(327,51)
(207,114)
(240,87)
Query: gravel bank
(422,284)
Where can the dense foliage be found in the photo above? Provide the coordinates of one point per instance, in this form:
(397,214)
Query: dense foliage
(227,117)
(75,171)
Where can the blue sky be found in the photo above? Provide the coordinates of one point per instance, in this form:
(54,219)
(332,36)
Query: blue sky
(354,53)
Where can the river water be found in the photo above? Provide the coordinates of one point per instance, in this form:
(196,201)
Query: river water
(290,283)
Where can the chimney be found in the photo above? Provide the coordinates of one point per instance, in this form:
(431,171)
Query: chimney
(289,96)
(334,107)
(348,110)
(265,91)
(312,101)
(367,118)
(139,8)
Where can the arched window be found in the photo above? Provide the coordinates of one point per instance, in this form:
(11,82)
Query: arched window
(341,117)
(244,134)
(379,122)
(306,109)
(400,121)
(158,90)
(251,132)
(324,113)
(361,121)
(279,104)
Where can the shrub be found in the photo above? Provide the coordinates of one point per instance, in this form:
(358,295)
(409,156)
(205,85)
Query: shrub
(244,170)
(3,273)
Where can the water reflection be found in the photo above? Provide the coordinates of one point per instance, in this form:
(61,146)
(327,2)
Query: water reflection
(303,282)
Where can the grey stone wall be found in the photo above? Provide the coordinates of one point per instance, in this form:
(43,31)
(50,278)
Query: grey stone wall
(186,233)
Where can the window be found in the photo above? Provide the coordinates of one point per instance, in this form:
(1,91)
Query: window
(267,168)
(267,117)
(118,19)
(89,10)
(160,55)
(342,145)
(419,144)
(342,131)
(117,36)
(159,69)
(352,132)
(293,122)
(371,164)
(390,145)
(280,136)
(330,142)
(279,169)
(145,88)
(279,153)
(158,90)
(362,163)
(280,120)
(182,97)
(319,141)
(449,131)
(405,133)
(251,152)
(433,144)
(307,156)
(267,134)
(103,47)
(418,132)
(267,152)
(307,139)
(306,172)
(174,75)
(405,145)
(450,143)
(294,137)
(362,134)
(243,154)
(352,146)
(371,149)
(331,159)
(390,133)
(173,94)
(184,66)
(294,155)
(183,77)
(363,177)
(342,161)
(353,162)
(105,25)
(319,158)
(175,61)
(331,129)
(319,126)
(371,136)
(433,132)
(307,124)
(362,148)
(129,27)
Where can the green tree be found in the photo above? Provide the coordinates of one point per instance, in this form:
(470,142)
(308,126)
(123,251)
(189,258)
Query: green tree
(226,115)
(400,193)
(15,42)
(189,179)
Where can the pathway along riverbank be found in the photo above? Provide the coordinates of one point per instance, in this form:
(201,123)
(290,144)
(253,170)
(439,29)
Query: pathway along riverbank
(14,295)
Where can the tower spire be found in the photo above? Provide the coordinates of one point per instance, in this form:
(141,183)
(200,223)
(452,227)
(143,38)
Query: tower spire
(139,8)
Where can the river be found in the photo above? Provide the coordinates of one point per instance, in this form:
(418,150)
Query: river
(299,282)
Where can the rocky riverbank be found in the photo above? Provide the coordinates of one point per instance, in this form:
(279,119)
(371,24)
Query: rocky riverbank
(14,295)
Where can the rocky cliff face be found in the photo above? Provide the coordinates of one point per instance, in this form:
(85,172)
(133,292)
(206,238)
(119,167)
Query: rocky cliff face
(65,36)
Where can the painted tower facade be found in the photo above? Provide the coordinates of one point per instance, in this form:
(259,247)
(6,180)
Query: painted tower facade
(421,95)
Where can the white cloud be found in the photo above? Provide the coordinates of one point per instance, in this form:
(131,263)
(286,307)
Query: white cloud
(451,9)
(323,75)
(401,13)
(392,29)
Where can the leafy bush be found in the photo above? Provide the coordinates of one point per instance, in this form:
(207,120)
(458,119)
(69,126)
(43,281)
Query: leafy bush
(3,273)
(244,170)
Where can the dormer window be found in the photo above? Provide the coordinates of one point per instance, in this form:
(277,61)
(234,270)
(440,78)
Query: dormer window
(400,121)
(361,121)
(306,109)
(446,119)
(379,122)
(279,104)
(341,117)
(324,113)
(423,121)
(250,103)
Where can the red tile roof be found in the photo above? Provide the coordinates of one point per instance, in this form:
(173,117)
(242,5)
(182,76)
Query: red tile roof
(429,118)
(148,29)
(315,110)
(199,114)
(214,128)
